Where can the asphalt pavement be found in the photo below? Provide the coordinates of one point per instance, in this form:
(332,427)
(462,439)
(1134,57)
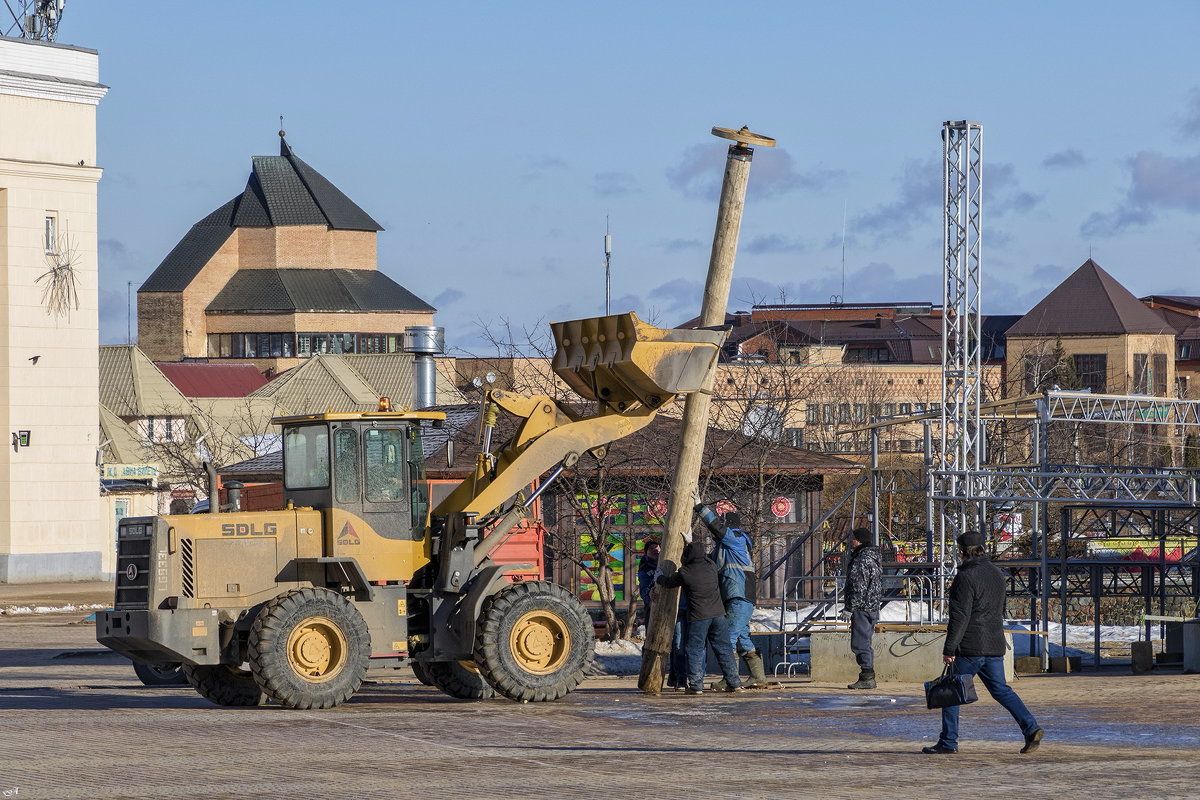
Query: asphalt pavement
(76,723)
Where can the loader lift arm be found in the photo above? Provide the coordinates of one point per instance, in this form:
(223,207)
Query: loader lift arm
(630,368)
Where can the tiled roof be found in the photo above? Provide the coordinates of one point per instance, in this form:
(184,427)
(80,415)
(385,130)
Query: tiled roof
(328,382)
(132,386)
(193,251)
(1089,302)
(281,190)
(121,443)
(198,379)
(315,290)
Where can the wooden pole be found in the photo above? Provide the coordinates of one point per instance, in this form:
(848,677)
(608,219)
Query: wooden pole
(661,625)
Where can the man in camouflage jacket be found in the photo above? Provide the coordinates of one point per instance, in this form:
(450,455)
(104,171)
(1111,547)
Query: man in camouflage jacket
(864,590)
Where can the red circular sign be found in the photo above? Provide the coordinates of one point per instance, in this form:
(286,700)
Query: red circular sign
(781,506)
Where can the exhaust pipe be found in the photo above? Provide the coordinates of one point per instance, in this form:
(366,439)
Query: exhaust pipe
(424,342)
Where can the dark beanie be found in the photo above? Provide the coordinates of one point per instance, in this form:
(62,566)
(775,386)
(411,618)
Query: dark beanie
(861,535)
(971,539)
(733,520)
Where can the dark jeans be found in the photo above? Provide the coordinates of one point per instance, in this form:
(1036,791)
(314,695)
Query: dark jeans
(990,670)
(862,628)
(677,669)
(715,632)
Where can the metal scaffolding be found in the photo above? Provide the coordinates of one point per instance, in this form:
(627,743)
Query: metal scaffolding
(1091,500)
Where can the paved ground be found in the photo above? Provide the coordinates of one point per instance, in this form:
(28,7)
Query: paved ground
(75,723)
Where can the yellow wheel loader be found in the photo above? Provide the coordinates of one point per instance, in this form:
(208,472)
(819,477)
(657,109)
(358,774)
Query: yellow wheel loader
(293,606)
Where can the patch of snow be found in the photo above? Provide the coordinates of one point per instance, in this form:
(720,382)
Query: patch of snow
(620,657)
(13,611)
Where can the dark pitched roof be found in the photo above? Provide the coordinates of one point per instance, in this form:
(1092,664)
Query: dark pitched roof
(314,290)
(198,379)
(281,190)
(1089,301)
(193,251)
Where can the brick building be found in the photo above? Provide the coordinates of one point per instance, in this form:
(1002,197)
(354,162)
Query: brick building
(285,270)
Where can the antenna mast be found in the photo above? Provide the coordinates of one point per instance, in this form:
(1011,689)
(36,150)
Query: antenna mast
(34,19)
(607,268)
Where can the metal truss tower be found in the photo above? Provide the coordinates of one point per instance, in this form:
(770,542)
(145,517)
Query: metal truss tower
(962,437)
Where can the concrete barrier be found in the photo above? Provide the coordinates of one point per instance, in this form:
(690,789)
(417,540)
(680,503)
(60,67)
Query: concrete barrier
(900,656)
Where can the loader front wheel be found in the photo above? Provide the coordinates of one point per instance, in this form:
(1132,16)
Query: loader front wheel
(459,679)
(309,648)
(225,685)
(534,641)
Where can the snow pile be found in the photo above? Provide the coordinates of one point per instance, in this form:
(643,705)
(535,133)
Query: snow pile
(767,619)
(14,611)
(620,657)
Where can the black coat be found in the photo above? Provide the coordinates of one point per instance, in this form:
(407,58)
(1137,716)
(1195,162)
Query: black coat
(701,587)
(976,610)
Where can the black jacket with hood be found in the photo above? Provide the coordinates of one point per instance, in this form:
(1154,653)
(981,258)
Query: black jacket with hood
(976,610)
(698,577)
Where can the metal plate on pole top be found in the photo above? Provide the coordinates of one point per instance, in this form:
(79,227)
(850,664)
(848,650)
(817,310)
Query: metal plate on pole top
(744,136)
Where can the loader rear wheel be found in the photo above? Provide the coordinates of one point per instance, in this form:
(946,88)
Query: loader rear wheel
(309,648)
(421,671)
(225,685)
(534,641)
(459,679)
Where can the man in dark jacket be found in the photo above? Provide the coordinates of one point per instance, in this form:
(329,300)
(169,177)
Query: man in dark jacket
(705,618)
(739,584)
(647,572)
(975,642)
(864,592)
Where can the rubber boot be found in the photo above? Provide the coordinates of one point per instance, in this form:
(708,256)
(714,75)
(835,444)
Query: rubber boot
(866,680)
(754,663)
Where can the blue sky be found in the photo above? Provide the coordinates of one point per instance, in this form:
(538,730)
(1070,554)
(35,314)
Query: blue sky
(492,140)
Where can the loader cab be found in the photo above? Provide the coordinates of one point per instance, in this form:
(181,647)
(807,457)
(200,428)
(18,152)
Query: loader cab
(369,465)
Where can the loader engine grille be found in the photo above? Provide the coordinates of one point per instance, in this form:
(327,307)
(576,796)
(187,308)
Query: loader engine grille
(189,580)
(134,539)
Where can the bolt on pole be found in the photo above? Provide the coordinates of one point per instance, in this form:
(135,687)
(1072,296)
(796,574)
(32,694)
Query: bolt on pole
(660,626)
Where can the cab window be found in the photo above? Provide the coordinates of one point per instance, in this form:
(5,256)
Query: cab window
(306,457)
(345,465)
(416,480)
(383,456)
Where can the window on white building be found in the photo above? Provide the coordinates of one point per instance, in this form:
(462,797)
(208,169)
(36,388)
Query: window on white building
(50,233)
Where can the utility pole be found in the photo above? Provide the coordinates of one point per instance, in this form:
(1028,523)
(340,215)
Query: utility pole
(661,624)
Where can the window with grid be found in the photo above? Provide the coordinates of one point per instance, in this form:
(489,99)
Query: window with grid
(1092,371)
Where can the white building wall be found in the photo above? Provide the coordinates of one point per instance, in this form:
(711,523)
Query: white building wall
(52,522)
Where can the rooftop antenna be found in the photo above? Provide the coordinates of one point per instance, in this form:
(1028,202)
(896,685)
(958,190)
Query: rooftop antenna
(844,205)
(607,268)
(282,132)
(34,19)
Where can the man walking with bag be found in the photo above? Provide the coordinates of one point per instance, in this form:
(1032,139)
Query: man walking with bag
(864,591)
(975,642)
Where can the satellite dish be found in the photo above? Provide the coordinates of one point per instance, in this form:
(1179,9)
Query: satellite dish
(490,377)
(477,382)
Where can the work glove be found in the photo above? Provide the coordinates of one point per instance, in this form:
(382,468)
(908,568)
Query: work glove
(687,537)
(845,616)
(696,497)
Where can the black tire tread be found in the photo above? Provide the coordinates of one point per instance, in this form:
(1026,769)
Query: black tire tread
(454,679)
(499,613)
(268,640)
(224,685)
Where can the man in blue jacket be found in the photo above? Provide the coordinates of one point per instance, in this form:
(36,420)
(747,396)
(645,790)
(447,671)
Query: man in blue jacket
(739,584)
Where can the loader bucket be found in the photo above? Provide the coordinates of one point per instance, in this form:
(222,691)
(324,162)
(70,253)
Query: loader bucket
(620,360)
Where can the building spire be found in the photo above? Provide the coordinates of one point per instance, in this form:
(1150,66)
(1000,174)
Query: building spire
(284,149)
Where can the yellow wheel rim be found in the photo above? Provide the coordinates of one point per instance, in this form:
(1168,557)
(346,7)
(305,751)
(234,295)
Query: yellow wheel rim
(540,642)
(316,649)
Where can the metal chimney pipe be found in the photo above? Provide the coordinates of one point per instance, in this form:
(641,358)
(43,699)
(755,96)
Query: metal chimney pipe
(424,342)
